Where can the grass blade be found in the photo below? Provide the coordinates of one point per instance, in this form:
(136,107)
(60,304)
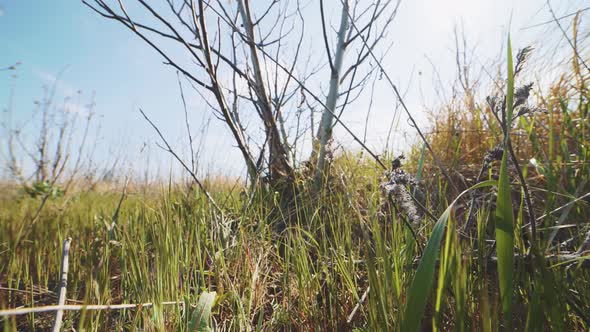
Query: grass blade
(424,277)
(421,163)
(504,215)
(202,313)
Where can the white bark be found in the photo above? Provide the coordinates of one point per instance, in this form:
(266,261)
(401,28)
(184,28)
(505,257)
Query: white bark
(326,124)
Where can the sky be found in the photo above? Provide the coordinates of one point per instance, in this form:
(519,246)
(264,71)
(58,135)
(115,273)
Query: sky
(98,60)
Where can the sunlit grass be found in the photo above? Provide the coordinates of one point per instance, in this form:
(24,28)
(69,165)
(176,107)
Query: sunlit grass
(305,263)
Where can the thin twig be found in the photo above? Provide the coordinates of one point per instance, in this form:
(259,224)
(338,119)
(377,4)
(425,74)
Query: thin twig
(325,35)
(186,122)
(555,19)
(192,174)
(126,15)
(323,105)
(38,292)
(577,199)
(574,48)
(405,108)
(65,258)
(79,307)
(116,214)
(358,305)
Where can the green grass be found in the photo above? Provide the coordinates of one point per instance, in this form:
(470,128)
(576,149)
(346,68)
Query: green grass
(270,264)
(169,246)
(504,212)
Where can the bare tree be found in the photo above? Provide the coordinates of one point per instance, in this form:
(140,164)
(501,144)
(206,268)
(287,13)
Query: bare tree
(38,162)
(244,61)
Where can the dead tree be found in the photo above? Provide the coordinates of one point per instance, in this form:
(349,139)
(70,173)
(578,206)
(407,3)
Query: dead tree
(222,40)
(39,162)
(243,63)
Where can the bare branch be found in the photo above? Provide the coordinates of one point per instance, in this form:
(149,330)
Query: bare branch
(574,48)
(323,105)
(410,117)
(325,35)
(171,151)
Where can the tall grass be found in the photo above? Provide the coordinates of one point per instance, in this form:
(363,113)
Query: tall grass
(504,212)
(269,263)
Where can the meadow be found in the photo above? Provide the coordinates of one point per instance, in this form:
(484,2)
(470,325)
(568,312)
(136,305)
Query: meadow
(496,239)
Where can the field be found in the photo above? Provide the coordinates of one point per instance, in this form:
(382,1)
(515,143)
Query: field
(308,265)
(491,235)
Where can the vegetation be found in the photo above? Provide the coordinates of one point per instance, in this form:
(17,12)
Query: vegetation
(488,231)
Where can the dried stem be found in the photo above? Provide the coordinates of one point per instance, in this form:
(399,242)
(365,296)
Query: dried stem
(63,284)
(80,307)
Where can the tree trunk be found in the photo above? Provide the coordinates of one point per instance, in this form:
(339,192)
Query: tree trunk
(279,167)
(326,124)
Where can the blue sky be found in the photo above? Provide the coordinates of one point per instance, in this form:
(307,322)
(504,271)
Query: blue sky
(100,57)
